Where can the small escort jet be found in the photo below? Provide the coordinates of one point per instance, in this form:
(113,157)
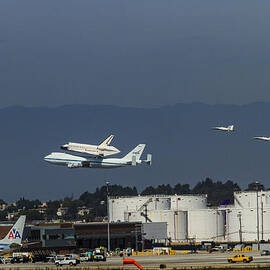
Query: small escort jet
(266,139)
(229,128)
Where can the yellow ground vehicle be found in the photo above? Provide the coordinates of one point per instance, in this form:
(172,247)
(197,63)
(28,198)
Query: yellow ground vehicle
(240,258)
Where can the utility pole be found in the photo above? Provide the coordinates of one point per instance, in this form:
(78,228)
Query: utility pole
(108,217)
(262,215)
(258,221)
(240,227)
(145,209)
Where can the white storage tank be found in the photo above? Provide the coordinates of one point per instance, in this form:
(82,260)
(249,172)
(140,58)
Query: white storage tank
(133,216)
(248,199)
(118,205)
(244,218)
(206,225)
(186,202)
(241,224)
(265,225)
(177,226)
(176,221)
(160,203)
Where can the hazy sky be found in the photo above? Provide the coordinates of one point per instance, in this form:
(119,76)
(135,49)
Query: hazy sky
(134,53)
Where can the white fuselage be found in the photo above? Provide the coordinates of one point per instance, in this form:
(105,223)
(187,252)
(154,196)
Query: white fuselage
(222,128)
(4,247)
(96,150)
(262,138)
(72,161)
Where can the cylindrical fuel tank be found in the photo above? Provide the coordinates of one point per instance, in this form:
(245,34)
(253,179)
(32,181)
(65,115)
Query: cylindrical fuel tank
(176,221)
(206,225)
(241,224)
(186,202)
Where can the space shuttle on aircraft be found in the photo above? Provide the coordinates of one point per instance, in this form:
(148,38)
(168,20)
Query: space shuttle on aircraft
(15,234)
(133,158)
(102,150)
(229,128)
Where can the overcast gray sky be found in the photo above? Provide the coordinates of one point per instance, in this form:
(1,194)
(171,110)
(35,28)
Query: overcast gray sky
(134,53)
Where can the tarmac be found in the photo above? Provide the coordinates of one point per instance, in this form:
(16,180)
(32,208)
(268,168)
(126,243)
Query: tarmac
(179,261)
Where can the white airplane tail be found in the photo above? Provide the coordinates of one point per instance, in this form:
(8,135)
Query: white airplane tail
(135,154)
(15,234)
(230,128)
(107,141)
(149,159)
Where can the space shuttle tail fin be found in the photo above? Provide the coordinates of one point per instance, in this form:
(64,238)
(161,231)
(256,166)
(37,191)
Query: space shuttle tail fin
(107,141)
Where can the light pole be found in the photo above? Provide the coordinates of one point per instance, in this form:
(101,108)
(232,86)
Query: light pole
(240,227)
(108,217)
(258,221)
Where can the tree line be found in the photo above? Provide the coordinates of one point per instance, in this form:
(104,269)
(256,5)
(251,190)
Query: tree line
(218,193)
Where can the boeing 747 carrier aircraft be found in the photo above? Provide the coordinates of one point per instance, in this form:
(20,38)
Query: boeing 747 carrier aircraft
(71,161)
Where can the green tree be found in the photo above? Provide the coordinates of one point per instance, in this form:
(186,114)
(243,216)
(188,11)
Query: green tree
(181,189)
(22,203)
(217,192)
(31,215)
(51,210)
(161,190)
(97,200)
(254,186)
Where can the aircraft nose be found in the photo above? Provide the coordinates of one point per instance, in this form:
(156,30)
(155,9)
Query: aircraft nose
(46,158)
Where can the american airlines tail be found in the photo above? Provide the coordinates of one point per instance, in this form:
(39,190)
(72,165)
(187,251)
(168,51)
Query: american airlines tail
(14,236)
(137,152)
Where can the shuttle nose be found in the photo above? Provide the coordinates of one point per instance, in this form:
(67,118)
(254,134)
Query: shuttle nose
(64,147)
(115,150)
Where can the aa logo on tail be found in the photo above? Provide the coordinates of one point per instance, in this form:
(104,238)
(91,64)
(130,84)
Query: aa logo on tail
(14,234)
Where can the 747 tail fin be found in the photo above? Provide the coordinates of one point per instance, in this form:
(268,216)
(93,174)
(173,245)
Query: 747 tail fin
(135,154)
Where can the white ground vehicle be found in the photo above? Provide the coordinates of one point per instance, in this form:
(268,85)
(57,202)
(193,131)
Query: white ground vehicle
(74,256)
(63,260)
(8,259)
(84,257)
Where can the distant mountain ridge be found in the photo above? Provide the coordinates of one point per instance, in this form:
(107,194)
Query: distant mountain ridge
(184,147)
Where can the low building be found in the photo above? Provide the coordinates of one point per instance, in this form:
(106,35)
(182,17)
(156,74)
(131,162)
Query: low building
(52,235)
(95,234)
